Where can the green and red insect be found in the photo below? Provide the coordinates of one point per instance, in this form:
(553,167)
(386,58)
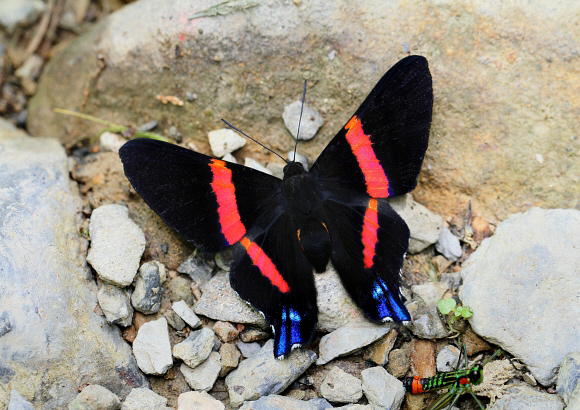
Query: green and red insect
(458,382)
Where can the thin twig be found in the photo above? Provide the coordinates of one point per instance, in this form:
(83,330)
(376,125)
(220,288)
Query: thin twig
(42,27)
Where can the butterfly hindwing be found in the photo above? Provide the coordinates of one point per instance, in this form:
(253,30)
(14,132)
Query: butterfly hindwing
(271,272)
(369,241)
(381,148)
(208,201)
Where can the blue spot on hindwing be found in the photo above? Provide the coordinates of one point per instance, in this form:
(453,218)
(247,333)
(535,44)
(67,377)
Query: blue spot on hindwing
(387,306)
(289,333)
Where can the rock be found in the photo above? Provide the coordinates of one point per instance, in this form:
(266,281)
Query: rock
(426,322)
(422,356)
(20,13)
(568,386)
(174,320)
(52,340)
(473,343)
(186,314)
(249,349)
(197,269)
(252,163)
(95,397)
(115,304)
(378,352)
(230,357)
(230,158)
(196,348)
(348,339)
(225,141)
(262,374)
(30,69)
(253,335)
(382,390)
(175,134)
(292,156)
(179,288)
(277,169)
(430,292)
(144,399)
(117,244)
(399,362)
(425,226)
(151,347)
(204,375)
(17,402)
(275,401)
(335,306)
(146,297)
(193,400)
(530,263)
(448,358)
(220,302)
(225,331)
(525,397)
(340,387)
(111,142)
(448,245)
(311,120)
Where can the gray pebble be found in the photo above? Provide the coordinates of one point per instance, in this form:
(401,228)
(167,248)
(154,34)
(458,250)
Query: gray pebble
(151,347)
(448,245)
(146,297)
(311,120)
(115,304)
(196,348)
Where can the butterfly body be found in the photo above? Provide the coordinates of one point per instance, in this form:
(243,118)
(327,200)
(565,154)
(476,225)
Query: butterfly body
(283,230)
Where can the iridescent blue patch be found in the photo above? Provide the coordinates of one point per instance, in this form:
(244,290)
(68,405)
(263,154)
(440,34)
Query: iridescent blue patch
(285,343)
(387,305)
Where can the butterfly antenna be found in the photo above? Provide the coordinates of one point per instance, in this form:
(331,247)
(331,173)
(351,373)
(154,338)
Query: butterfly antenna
(256,141)
(300,120)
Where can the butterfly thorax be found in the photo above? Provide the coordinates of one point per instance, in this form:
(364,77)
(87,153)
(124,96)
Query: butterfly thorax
(304,201)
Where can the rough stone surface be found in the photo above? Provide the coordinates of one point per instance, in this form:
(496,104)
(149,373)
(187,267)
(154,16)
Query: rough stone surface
(186,314)
(525,397)
(425,226)
(193,400)
(17,402)
(311,120)
(197,269)
(448,245)
(179,288)
(95,397)
(262,374)
(220,302)
(230,357)
(426,322)
(151,347)
(381,389)
(19,13)
(348,339)
(378,352)
(252,163)
(196,348)
(568,384)
(115,304)
(275,401)
(204,375)
(448,358)
(504,93)
(144,399)
(52,340)
(340,387)
(146,297)
(531,262)
(225,331)
(116,244)
(224,141)
(249,349)
(430,292)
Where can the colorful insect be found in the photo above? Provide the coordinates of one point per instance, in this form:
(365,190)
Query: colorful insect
(458,382)
(283,229)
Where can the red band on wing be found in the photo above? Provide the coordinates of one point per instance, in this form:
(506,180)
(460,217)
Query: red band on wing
(265,264)
(416,386)
(369,233)
(361,145)
(232,227)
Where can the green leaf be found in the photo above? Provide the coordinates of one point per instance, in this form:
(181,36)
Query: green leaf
(466,312)
(446,305)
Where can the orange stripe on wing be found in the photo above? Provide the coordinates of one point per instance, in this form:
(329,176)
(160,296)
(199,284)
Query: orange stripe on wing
(369,233)
(265,264)
(225,192)
(361,146)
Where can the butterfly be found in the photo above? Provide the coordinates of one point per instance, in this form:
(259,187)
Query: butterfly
(282,230)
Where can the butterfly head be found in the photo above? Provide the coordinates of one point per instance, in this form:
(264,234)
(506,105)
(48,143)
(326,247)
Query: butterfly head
(293,168)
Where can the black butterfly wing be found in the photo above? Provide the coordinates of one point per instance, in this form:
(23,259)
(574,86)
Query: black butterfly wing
(369,241)
(209,202)
(271,272)
(380,150)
